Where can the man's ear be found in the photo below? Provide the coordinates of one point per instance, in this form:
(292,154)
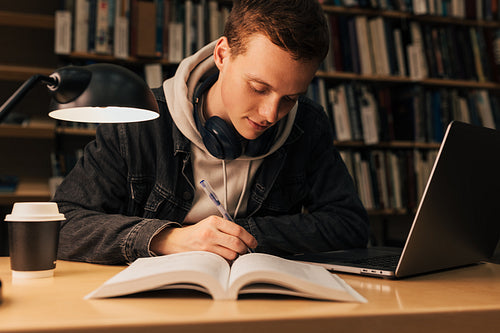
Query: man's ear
(222,52)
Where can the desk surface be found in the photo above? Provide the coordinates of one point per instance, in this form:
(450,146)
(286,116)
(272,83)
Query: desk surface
(465,299)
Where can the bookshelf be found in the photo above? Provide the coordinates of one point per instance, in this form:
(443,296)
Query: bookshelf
(26,33)
(385,93)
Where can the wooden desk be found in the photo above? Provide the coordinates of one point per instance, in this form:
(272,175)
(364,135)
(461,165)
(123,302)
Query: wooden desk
(463,300)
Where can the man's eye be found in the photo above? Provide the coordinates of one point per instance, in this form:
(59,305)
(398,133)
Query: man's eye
(257,91)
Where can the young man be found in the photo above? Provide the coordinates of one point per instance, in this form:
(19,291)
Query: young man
(232,115)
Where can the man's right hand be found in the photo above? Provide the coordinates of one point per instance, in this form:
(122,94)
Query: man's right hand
(213,234)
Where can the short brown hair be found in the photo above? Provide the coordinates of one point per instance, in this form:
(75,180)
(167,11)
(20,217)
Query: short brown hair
(297,26)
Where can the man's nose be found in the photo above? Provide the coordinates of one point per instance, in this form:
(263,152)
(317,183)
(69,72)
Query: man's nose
(270,109)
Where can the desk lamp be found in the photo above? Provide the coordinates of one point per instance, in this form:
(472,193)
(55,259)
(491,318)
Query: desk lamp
(98,93)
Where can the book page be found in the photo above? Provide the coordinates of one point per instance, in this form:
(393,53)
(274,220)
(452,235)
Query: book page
(300,279)
(198,267)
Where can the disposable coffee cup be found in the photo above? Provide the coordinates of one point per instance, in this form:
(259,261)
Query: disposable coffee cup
(33,238)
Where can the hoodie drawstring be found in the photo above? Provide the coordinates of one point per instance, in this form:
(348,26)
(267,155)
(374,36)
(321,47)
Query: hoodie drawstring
(242,194)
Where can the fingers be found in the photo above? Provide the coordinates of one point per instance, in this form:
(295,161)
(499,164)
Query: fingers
(238,234)
(213,234)
(225,238)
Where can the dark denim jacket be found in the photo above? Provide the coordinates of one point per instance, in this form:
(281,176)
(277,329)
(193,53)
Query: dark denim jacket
(137,178)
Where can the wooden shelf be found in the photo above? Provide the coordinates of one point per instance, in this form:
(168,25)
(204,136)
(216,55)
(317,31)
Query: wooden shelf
(461,83)
(388,145)
(16,19)
(27,190)
(113,59)
(27,132)
(22,73)
(406,15)
(75,131)
(389,79)
(39,131)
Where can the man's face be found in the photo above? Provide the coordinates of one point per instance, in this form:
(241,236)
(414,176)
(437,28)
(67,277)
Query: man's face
(258,88)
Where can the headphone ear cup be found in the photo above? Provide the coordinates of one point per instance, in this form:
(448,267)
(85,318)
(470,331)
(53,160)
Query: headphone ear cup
(211,143)
(222,142)
(209,138)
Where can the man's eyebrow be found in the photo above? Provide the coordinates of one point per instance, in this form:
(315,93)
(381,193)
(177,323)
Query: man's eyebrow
(257,80)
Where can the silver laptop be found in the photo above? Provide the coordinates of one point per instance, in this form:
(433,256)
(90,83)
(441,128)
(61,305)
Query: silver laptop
(457,222)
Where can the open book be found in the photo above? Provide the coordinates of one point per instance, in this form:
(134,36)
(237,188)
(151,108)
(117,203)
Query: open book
(207,272)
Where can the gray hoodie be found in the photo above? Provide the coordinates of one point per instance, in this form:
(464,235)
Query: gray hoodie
(229,179)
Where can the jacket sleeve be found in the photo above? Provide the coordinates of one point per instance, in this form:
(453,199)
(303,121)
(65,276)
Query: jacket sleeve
(94,199)
(315,183)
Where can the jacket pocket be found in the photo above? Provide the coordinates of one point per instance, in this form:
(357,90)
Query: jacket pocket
(140,191)
(150,200)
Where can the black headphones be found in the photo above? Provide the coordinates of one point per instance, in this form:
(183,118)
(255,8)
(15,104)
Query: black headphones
(221,139)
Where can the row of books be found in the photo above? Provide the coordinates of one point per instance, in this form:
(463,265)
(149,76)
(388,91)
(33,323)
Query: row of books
(383,46)
(390,179)
(478,49)
(161,29)
(469,9)
(372,114)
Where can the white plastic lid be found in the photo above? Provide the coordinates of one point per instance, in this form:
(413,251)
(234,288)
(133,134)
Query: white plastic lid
(34,212)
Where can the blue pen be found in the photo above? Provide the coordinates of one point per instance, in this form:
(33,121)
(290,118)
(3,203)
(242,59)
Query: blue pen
(211,194)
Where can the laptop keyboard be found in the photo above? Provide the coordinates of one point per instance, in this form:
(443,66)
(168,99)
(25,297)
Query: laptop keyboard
(384,261)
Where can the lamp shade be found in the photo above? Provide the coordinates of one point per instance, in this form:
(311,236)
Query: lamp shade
(101,93)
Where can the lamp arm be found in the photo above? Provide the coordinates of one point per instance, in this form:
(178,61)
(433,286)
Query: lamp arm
(21,91)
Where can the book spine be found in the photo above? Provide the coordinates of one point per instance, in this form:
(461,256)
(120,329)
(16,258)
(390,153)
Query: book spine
(391,47)
(177,42)
(146,29)
(353,43)
(121,43)
(81,28)
(432,52)
(477,55)
(92,26)
(101,27)
(421,70)
(345,44)
(111,25)
(167,19)
(214,17)
(483,53)
(369,116)
(400,54)
(188,26)
(159,23)
(353,111)
(336,45)
(341,119)
(63,28)
(364,45)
